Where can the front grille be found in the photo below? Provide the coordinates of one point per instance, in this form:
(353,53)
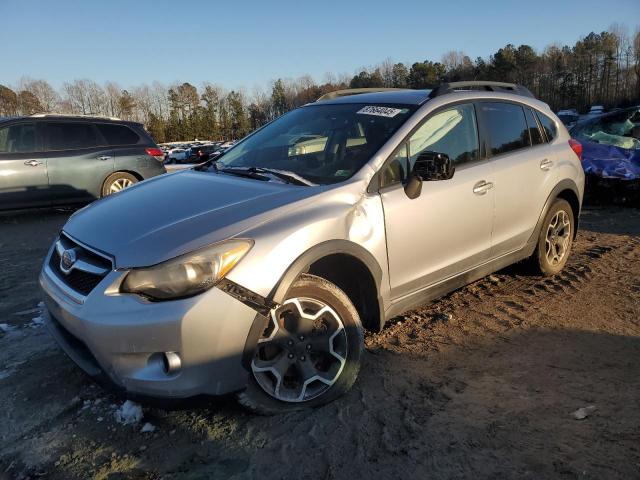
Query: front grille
(79,280)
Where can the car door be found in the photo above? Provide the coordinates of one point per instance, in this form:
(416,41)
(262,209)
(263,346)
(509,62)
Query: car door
(78,161)
(446,230)
(23,167)
(522,167)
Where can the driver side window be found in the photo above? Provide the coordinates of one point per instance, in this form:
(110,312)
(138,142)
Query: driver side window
(452,131)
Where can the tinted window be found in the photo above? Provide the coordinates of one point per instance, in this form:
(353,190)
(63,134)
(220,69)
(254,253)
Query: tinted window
(534,131)
(118,134)
(19,138)
(70,136)
(507,127)
(548,125)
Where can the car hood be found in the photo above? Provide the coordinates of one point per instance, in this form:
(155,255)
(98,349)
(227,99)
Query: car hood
(174,214)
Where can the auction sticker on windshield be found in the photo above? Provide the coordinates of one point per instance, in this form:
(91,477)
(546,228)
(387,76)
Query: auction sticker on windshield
(379,111)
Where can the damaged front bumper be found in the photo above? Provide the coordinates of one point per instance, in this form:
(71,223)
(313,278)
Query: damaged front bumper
(126,339)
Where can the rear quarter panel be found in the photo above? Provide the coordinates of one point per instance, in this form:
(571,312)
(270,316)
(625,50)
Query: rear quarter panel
(135,160)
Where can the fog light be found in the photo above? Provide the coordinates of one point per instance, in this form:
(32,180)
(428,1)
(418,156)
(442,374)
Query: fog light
(171,362)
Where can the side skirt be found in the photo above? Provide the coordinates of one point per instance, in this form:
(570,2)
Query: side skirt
(432,292)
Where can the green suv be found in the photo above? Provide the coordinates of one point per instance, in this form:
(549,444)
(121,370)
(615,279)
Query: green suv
(49,160)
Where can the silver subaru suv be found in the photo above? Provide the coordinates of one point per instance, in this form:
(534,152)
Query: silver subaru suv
(257,274)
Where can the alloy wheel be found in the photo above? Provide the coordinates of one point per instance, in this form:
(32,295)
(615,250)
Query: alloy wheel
(558,237)
(302,351)
(120,184)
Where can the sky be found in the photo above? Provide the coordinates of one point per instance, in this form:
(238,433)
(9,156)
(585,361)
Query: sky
(247,44)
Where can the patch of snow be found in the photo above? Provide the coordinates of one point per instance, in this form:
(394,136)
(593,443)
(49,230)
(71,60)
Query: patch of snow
(147,428)
(583,412)
(37,322)
(6,328)
(5,374)
(129,413)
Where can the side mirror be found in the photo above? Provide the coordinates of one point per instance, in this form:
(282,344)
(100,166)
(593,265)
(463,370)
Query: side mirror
(429,166)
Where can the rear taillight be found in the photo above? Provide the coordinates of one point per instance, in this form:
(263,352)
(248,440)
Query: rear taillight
(576,146)
(156,153)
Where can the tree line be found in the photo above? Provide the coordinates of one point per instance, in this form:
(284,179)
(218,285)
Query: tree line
(601,68)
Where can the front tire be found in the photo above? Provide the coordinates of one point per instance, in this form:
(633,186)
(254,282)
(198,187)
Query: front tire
(309,353)
(117,182)
(555,239)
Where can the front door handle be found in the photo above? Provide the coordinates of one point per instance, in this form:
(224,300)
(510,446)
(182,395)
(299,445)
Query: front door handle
(482,187)
(546,164)
(104,158)
(33,163)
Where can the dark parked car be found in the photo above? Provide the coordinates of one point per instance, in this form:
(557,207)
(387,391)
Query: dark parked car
(48,160)
(202,153)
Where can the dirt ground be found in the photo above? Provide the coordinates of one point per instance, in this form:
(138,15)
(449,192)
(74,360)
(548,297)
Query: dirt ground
(480,384)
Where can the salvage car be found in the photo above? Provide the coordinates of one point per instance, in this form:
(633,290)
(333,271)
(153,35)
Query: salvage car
(263,283)
(611,144)
(569,117)
(50,160)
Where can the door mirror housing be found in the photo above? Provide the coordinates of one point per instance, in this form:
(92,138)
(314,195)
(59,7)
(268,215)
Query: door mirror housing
(429,166)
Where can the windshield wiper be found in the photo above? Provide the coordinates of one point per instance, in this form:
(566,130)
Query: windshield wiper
(255,172)
(286,175)
(241,172)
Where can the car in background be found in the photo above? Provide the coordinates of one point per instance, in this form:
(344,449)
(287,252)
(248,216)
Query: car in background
(177,154)
(202,153)
(594,111)
(51,160)
(569,117)
(611,144)
(196,156)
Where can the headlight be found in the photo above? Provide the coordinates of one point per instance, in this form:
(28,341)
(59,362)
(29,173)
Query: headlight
(188,274)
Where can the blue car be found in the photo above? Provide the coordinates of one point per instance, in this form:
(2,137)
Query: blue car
(611,144)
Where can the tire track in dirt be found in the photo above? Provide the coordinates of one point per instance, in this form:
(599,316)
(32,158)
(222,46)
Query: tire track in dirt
(513,297)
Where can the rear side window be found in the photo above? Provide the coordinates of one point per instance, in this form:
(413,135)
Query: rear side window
(19,138)
(548,125)
(118,134)
(70,136)
(508,130)
(534,131)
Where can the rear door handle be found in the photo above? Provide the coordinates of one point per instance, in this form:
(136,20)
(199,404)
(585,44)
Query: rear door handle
(482,187)
(546,164)
(33,163)
(104,157)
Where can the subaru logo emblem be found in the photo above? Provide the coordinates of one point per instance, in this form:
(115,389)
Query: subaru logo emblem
(67,260)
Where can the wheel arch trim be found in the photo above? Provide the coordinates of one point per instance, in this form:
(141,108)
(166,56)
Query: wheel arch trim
(566,184)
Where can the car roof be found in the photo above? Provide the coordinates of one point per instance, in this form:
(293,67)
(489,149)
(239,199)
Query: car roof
(74,118)
(399,97)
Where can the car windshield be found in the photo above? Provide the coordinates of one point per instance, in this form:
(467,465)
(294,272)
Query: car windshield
(322,144)
(621,129)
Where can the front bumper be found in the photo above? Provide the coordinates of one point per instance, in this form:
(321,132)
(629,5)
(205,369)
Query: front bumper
(124,338)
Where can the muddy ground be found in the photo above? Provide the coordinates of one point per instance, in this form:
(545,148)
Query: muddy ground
(480,384)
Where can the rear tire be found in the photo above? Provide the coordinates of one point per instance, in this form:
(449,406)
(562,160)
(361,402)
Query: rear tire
(555,239)
(117,182)
(310,352)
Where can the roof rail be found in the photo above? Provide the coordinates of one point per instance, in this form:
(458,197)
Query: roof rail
(354,91)
(482,86)
(72,115)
